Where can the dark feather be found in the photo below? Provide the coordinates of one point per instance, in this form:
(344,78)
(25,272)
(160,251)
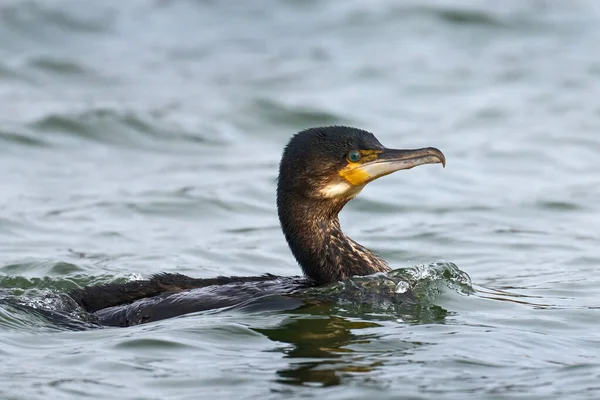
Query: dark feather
(230,292)
(94,298)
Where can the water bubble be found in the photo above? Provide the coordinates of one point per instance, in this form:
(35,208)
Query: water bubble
(402,287)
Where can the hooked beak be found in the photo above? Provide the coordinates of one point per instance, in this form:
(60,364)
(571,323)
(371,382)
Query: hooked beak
(391,160)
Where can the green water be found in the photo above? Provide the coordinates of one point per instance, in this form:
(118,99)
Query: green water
(144,136)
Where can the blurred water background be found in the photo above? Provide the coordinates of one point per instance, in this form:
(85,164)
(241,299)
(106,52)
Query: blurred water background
(143,136)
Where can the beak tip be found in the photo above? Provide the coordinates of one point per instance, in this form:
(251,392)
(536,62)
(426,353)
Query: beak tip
(442,158)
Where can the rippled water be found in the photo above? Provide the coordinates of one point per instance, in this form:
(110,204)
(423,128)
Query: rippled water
(143,136)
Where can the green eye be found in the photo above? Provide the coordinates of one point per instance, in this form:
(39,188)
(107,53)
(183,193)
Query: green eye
(354,156)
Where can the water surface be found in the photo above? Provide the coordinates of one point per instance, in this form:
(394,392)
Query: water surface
(144,136)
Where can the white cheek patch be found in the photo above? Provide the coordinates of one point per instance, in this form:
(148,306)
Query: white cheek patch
(340,188)
(335,189)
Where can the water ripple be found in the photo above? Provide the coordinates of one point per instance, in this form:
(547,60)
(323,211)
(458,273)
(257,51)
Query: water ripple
(116,128)
(144,136)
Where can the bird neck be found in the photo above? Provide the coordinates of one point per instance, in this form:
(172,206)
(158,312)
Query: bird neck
(325,254)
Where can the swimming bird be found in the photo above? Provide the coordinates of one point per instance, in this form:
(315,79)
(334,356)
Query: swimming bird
(320,171)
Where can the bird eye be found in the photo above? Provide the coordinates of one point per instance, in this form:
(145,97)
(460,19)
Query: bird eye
(354,156)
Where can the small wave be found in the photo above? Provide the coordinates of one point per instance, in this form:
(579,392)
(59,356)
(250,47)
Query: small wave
(519,17)
(278,114)
(385,294)
(428,281)
(46,267)
(62,67)
(35,17)
(41,310)
(523,16)
(560,206)
(43,303)
(468,17)
(21,139)
(107,126)
(18,284)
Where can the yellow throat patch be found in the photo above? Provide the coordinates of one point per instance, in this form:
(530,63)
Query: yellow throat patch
(353,173)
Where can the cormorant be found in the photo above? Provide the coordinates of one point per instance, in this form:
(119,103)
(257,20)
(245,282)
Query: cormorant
(320,171)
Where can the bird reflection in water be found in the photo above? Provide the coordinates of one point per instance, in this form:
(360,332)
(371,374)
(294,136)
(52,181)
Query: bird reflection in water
(321,342)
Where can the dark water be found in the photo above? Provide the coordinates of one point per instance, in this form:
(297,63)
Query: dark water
(144,136)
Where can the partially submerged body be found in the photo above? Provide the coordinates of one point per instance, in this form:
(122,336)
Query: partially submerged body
(320,171)
(170,295)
